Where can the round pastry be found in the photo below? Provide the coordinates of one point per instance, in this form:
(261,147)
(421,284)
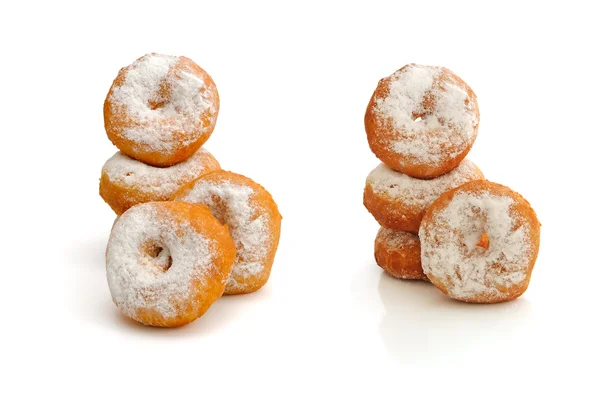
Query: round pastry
(253,219)
(479,243)
(167,262)
(422,120)
(398,201)
(126,182)
(398,253)
(161,109)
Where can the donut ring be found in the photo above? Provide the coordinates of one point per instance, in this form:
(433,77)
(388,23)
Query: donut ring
(422,120)
(398,201)
(167,262)
(253,219)
(126,182)
(161,109)
(479,243)
(398,253)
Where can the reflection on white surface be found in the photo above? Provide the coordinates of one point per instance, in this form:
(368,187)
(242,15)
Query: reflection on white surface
(419,321)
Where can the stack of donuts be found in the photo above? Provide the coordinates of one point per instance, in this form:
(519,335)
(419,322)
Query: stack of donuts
(187,232)
(441,221)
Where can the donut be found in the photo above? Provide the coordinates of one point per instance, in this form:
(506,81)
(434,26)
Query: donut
(167,262)
(398,253)
(422,120)
(253,219)
(398,201)
(161,109)
(126,182)
(479,243)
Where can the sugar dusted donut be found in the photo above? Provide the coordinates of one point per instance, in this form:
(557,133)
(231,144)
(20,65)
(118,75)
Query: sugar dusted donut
(479,243)
(253,219)
(161,109)
(126,182)
(398,253)
(422,120)
(167,262)
(398,201)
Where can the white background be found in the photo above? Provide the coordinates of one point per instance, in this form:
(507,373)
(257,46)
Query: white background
(294,81)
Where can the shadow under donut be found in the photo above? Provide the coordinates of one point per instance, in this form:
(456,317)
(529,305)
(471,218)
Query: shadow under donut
(221,315)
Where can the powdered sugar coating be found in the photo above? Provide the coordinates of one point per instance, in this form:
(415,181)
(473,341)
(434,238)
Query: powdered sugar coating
(416,192)
(157,183)
(433,114)
(235,205)
(396,240)
(450,254)
(138,280)
(162,102)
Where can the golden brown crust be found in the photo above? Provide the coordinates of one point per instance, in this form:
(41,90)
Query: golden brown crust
(121,196)
(262,203)
(396,212)
(398,253)
(381,132)
(391,212)
(522,214)
(116,123)
(118,198)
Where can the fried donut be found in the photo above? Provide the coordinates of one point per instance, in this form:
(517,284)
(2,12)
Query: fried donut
(161,109)
(479,243)
(167,262)
(398,253)
(398,201)
(125,182)
(253,219)
(422,120)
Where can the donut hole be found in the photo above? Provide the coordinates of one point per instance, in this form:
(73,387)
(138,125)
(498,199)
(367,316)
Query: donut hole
(476,240)
(169,263)
(156,104)
(160,98)
(418,117)
(476,243)
(160,256)
(484,241)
